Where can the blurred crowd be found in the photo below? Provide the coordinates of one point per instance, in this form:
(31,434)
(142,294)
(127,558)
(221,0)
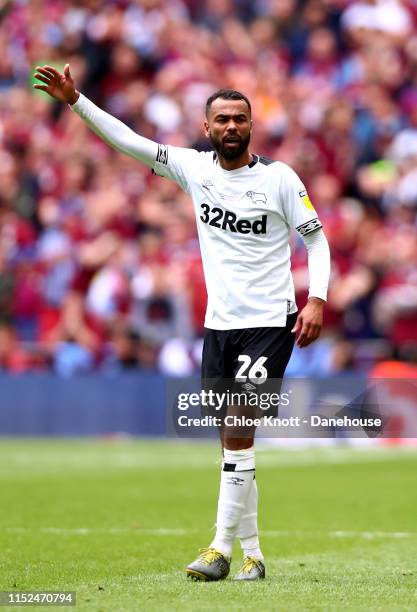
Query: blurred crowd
(99,259)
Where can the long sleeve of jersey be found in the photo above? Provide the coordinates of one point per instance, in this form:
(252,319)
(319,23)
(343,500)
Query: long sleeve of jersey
(318,263)
(115,132)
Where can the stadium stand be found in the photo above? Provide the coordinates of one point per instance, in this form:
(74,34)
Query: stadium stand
(99,259)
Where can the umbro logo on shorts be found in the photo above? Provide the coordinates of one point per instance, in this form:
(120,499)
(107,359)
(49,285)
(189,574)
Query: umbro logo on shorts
(248,387)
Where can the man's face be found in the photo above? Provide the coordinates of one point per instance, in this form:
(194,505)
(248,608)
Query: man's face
(229,126)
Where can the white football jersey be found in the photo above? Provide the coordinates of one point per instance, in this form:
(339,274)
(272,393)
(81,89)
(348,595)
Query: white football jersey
(244,218)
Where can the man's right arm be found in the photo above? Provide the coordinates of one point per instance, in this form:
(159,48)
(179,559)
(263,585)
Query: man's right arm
(114,132)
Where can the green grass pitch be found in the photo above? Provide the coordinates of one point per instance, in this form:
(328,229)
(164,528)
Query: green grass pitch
(118,521)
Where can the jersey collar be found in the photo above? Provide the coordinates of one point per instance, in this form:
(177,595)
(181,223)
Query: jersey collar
(255,159)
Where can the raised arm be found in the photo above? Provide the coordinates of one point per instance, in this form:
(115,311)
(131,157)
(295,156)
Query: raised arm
(114,132)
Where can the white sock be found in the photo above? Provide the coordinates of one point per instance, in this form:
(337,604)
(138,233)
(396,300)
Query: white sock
(248,526)
(235,483)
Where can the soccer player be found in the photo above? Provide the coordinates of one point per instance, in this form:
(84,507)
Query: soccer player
(245,206)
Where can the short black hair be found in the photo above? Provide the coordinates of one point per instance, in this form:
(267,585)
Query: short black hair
(227,94)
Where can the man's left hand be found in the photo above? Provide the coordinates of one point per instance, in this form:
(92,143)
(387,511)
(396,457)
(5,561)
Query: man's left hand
(309,322)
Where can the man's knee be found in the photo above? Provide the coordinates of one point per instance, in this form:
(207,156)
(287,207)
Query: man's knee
(237,443)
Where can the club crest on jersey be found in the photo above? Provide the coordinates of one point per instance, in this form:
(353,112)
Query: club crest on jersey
(306,200)
(257,197)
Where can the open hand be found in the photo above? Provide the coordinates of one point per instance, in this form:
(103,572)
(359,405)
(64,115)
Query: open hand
(59,86)
(309,322)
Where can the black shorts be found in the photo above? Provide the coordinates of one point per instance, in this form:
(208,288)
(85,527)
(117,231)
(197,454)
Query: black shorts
(251,360)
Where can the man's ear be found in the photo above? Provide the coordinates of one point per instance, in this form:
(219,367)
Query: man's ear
(206,129)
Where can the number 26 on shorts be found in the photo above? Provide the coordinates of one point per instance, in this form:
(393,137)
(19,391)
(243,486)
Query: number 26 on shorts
(256,372)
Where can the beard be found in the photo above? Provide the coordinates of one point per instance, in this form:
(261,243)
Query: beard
(233,153)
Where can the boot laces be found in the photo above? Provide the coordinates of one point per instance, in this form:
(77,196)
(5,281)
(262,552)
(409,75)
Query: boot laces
(249,564)
(209,555)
